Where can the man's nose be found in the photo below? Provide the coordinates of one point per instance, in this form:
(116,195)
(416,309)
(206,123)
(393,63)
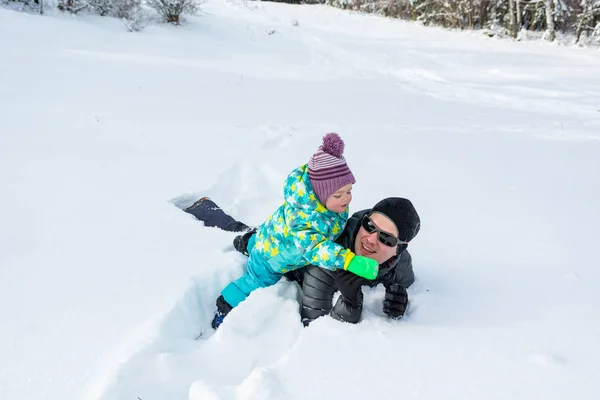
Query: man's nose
(372,238)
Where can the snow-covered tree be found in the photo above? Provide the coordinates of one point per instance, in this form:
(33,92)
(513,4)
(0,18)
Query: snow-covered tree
(496,16)
(589,19)
(518,15)
(438,12)
(511,18)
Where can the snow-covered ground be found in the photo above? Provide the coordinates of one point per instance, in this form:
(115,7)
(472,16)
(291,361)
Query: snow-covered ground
(105,282)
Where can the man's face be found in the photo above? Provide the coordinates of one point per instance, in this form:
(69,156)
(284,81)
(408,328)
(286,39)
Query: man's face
(367,245)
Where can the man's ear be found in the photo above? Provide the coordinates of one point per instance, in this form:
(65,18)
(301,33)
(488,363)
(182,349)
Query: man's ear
(400,248)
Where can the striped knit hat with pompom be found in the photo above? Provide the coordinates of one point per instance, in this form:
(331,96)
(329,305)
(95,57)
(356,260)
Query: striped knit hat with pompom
(327,168)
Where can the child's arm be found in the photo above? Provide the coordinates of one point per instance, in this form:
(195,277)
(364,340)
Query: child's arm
(318,250)
(324,253)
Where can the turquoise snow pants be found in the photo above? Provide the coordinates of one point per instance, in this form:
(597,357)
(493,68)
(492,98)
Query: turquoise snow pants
(258,275)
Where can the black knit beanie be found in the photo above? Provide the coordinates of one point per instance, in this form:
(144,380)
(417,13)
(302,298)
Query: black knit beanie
(403,214)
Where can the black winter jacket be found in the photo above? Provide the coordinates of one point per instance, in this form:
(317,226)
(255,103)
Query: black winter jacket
(319,284)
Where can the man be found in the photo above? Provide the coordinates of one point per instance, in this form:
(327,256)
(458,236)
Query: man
(381,233)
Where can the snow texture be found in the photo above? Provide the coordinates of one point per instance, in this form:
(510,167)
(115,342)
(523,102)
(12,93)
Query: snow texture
(106,134)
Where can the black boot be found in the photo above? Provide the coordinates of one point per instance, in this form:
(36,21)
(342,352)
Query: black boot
(223,309)
(211,214)
(240,242)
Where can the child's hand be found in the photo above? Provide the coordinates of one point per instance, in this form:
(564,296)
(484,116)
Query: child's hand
(364,267)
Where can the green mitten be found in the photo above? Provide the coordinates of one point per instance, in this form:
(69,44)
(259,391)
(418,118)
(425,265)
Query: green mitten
(363,267)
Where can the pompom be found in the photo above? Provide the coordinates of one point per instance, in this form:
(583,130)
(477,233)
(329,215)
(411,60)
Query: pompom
(333,144)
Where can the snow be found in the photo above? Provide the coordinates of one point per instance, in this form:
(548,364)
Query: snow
(105,282)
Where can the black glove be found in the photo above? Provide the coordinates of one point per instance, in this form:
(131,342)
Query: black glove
(349,286)
(396,301)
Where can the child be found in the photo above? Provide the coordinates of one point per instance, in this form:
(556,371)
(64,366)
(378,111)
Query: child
(301,232)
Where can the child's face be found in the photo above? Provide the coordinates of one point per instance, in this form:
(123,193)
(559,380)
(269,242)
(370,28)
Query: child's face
(339,200)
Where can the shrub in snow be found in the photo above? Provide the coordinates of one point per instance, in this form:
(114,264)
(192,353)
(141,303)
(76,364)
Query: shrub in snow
(23,5)
(101,7)
(126,8)
(394,8)
(132,14)
(496,30)
(73,6)
(171,10)
(135,19)
(130,11)
(523,35)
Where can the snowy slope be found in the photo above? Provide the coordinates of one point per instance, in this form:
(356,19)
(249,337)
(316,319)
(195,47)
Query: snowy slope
(105,282)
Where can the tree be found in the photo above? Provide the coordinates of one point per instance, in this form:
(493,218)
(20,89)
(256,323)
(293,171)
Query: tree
(518,14)
(511,16)
(589,18)
(550,33)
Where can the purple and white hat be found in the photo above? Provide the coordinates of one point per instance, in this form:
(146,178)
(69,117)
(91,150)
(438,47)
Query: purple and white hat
(327,168)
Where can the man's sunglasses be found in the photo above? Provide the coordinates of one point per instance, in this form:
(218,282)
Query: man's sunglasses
(384,237)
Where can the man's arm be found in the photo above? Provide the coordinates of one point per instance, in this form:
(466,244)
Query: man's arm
(401,277)
(402,274)
(348,307)
(318,288)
